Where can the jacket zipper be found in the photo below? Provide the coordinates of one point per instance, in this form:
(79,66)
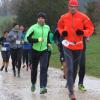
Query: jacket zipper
(42,37)
(73,28)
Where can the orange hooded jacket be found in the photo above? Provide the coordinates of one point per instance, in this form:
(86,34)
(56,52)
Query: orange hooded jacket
(71,23)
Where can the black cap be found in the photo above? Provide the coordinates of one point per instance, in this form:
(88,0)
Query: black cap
(41,14)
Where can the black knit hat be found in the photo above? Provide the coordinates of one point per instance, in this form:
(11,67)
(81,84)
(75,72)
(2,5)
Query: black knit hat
(41,14)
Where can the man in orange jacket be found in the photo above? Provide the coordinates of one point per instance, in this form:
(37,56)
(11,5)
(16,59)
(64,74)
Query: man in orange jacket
(73,26)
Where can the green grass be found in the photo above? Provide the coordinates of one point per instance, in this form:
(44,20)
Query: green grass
(92,57)
(55,60)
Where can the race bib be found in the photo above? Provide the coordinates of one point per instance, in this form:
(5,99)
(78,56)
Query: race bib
(65,43)
(3,49)
(18,41)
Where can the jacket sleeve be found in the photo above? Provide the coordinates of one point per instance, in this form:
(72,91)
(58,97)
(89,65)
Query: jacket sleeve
(11,37)
(89,27)
(48,38)
(30,39)
(29,31)
(56,37)
(52,38)
(60,25)
(29,35)
(1,39)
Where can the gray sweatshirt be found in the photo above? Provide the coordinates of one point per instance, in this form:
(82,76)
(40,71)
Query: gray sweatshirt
(15,38)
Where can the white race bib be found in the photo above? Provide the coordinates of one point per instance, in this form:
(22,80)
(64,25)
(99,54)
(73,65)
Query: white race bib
(65,43)
(18,41)
(3,49)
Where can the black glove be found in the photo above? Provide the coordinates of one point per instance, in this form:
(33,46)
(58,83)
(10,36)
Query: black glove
(64,33)
(79,32)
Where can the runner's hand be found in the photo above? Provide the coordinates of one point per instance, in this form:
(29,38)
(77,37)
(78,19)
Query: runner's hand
(22,41)
(79,32)
(40,39)
(15,36)
(50,46)
(88,39)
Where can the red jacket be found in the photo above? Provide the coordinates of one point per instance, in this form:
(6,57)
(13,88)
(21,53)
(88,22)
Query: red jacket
(71,23)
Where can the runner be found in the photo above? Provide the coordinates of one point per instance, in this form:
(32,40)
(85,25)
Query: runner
(26,49)
(38,36)
(15,39)
(51,37)
(58,41)
(71,27)
(5,51)
(82,66)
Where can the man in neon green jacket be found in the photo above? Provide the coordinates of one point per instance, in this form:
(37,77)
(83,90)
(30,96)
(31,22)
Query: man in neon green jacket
(38,36)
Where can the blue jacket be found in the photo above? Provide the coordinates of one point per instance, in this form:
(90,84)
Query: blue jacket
(26,45)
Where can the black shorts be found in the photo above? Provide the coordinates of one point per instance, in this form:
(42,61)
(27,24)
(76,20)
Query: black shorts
(5,56)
